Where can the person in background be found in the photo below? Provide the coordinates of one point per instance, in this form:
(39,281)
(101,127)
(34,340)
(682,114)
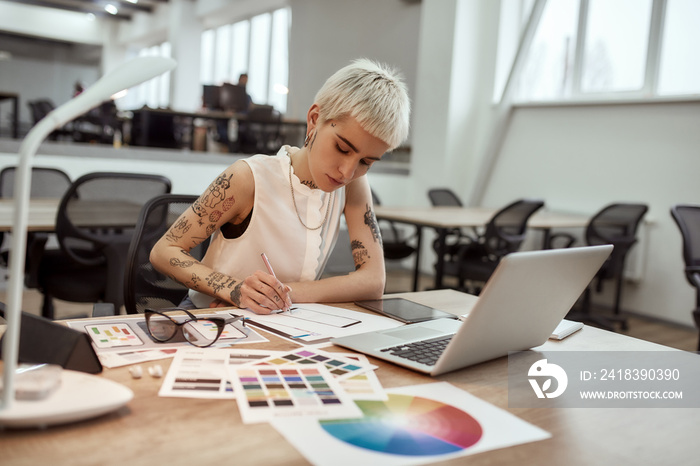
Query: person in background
(289,206)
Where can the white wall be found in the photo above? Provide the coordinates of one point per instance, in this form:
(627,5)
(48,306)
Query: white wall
(581,158)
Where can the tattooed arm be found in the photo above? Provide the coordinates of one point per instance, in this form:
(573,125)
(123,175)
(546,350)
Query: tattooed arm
(229,199)
(367,281)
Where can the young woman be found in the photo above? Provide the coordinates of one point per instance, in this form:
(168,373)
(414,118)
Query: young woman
(289,206)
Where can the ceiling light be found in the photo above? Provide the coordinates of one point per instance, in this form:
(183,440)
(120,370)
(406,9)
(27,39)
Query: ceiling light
(111,9)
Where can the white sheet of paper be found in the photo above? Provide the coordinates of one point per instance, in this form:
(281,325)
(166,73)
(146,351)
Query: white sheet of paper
(313,324)
(123,340)
(420,424)
(202,372)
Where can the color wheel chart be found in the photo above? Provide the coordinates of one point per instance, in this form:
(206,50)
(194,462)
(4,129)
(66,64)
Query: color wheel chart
(419,424)
(408,425)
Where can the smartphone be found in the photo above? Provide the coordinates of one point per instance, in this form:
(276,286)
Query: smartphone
(404,310)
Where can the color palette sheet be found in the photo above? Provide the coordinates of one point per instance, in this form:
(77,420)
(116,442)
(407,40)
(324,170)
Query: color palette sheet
(294,392)
(339,367)
(364,386)
(127,338)
(421,424)
(203,372)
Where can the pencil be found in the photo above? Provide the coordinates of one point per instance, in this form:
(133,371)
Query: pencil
(272,272)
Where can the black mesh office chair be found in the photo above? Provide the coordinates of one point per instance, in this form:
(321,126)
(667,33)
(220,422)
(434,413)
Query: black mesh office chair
(94,225)
(48,183)
(445,197)
(615,224)
(687,217)
(144,286)
(504,233)
(261,132)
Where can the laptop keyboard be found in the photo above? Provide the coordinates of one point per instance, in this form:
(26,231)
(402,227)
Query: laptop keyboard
(424,351)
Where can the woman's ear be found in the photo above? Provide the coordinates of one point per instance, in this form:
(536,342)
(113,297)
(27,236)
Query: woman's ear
(312,118)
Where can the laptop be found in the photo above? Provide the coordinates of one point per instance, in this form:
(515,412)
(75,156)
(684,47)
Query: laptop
(525,299)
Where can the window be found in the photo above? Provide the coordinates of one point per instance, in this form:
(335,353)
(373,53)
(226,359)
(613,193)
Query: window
(679,72)
(602,49)
(615,50)
(257,46)
(154,93)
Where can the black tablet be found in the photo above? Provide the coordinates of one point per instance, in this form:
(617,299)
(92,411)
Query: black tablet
(404,310)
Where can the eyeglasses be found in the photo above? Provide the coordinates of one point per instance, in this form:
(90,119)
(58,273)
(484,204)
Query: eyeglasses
(202,332)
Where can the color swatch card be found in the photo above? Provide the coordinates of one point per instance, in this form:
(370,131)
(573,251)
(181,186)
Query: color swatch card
(339,367)
(291,391)
(203,372)
(364,386)
(113,335)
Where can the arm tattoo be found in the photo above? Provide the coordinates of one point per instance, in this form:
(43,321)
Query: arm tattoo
(236,294)
(175,262)
(371,222)
(219,281)
(359,253)
(217,191)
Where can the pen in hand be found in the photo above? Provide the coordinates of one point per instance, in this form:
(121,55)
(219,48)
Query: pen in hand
(272,272)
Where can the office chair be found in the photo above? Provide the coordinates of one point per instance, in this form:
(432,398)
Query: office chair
(94,225)
(614,224)
(445,197)
(144,286)
(687,217)
(505,232)
(39,109)
(396,245)
(46,183)
(261,132)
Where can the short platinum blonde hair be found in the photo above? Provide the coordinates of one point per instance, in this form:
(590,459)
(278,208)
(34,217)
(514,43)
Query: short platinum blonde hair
(373,94)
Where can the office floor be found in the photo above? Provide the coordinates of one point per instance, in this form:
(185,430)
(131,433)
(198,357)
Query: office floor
(400,280)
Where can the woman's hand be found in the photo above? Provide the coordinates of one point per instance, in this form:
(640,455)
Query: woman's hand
(263,293)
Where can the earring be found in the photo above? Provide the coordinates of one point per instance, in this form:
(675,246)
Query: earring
(306,141)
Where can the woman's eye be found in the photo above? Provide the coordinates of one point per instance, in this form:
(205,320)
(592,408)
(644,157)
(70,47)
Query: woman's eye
(341,150)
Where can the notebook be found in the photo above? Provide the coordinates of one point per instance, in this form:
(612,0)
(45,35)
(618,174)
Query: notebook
(525,299)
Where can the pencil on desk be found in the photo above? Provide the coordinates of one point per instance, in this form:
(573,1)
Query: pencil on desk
(272,272)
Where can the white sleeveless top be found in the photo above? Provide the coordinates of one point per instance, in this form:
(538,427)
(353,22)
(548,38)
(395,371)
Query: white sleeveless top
(296,253)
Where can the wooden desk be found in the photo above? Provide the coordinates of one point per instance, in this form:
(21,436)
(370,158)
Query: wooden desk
(443,219)
(15,111)
(42,214)
(179,431)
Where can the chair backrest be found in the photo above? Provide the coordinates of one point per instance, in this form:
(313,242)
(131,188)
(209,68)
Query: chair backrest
(144,286)
(444,197)
(101,209)
(687,217)
(40,108)
(616,224)
(506,230)
(46,182)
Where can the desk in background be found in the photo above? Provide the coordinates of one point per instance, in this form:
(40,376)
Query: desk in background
(159,127)
(186,431)
(443,219)
(15,111)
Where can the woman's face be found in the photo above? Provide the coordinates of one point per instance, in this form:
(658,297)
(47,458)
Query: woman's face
(341,151)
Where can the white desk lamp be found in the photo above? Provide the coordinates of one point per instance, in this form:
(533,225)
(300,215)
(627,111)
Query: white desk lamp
(80,395)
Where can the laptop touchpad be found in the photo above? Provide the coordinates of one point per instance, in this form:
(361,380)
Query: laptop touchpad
(416,333)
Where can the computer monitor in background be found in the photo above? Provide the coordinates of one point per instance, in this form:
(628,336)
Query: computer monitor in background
(233,98)
(211,97)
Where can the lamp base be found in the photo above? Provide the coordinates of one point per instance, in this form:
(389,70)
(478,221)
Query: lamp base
(80,396)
